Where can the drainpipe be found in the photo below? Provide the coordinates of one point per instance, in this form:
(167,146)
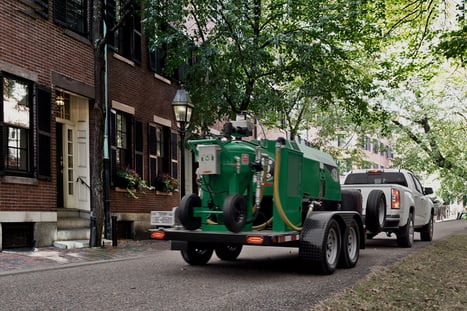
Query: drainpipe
(106,143)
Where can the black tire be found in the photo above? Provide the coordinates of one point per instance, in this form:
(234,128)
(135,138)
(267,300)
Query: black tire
(185,212)
(197,253)
(426,233)
(350,246)
(228,252)
(234,212)
(405,235)
(330,249)
(351,201)
(375,215)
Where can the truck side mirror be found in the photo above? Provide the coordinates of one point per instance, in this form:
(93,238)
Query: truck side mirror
(428,190)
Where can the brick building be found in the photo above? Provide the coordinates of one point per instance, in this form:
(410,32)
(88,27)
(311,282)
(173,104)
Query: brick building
(46,121)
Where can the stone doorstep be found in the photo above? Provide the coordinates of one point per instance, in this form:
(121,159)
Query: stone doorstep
(78,244)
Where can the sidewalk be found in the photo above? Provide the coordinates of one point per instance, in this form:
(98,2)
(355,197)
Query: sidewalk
(14,261)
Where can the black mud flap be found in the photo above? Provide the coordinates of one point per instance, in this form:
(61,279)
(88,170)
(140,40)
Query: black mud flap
(178,245)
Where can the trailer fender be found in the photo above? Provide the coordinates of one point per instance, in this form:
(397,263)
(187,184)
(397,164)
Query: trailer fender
(314,227)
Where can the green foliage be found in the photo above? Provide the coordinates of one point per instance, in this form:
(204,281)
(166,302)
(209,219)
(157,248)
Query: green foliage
(271,57)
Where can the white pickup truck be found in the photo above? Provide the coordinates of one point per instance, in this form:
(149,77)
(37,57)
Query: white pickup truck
(394,201)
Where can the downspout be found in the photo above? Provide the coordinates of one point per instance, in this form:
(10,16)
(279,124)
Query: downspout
(106,142)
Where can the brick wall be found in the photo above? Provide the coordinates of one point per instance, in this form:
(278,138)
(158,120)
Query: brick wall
(34,48)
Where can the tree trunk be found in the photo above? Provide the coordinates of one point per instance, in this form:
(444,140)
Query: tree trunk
(97,156)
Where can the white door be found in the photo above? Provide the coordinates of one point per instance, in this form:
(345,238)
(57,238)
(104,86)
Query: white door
(75,156)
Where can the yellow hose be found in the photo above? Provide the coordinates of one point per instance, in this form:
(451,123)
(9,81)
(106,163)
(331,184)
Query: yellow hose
(276,192)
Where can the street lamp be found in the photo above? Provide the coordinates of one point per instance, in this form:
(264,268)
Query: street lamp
(182,108)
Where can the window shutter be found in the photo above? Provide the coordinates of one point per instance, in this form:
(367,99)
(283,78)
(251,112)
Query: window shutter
(174,154)
(137,38)
(113,143)
(43,133)
(152,152)
(139,147)
(60,12)
(43,8)
(110,19)
(2,134)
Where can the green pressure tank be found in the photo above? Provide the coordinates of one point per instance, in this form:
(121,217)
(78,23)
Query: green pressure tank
(238,181)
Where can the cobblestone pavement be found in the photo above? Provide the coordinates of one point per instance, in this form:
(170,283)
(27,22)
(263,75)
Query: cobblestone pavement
(24,260)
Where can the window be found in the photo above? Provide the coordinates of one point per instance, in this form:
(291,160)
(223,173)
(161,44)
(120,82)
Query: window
(72,14)
(17,126)
(161,158)
(158,56)
(417,184)
(366,143)
(375,145)
(127,39)
(382,149)
(121,141)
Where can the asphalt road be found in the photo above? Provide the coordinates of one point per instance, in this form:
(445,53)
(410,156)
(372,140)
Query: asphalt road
(263,278)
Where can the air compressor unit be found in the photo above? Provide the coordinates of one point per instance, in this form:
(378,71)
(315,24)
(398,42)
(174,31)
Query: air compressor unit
(266,192)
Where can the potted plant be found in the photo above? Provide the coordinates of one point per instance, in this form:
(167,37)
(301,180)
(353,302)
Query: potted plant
(166,183)
(131,181)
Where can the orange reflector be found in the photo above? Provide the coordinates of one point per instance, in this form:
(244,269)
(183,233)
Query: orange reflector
(255,240)
(158,235)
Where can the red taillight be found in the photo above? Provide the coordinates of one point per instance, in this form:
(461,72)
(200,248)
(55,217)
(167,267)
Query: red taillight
(395,199)
(158,235)
(257,240)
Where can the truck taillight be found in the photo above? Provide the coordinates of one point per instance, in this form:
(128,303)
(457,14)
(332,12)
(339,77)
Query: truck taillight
(158,235)
(395,199)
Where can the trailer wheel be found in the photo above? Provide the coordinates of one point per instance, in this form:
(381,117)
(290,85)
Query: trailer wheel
(197,253)
(350,246)
(234,212)
(375,218)
(405,235)
(185,212)
(228,252)
(323,256)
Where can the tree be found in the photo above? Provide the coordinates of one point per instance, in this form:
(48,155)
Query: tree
(269,57)
(99,41)
(422,92)
(453,44)
(431,125)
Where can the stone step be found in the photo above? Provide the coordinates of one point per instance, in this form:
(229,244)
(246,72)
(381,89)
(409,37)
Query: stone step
(73,234)
(72,244)
(72,223)
(72,213)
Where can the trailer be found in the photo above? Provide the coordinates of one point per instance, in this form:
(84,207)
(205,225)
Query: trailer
(266,193)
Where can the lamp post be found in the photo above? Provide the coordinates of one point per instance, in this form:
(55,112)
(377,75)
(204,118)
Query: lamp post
(182,108)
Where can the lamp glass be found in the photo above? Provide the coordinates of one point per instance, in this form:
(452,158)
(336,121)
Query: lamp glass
(182,106)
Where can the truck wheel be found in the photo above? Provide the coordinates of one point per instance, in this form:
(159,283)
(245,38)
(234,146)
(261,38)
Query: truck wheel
(350,246)
(426,233)
(197,253)
(234,212)
(375,216)
(185,212)
(228,252)
(405,235)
